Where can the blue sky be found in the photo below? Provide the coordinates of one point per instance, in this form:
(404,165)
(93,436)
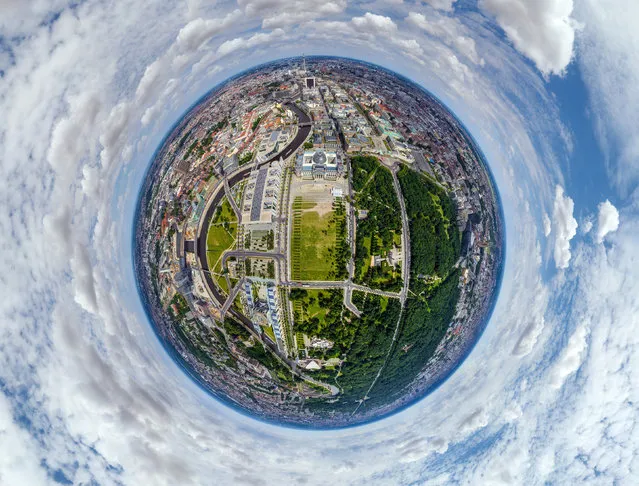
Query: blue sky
(548,88)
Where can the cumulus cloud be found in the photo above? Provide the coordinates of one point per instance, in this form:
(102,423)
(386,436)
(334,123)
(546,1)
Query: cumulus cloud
(565,226)
(570,359)
(529,337)
(108,407)
(607,220)
(368,29)
(373,23)
(233,45)
(19,463)
(541,30)
(196,32)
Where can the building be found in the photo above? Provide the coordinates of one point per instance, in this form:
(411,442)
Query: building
(394,256)
(262,194)
(273,315)
(183,166)
(248,291)
(319,164)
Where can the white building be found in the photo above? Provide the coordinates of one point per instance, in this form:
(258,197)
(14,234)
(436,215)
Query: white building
(319,164)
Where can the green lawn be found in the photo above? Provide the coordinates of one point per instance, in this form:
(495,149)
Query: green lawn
(313,242)
(218,240)
(221,235)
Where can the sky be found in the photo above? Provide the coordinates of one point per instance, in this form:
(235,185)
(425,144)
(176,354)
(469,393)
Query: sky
(548,88)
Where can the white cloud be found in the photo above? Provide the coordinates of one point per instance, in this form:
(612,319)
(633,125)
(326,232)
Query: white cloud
(607,220)
(196,32)
(608,56)
(446,5)
(448,30)
(547,225)
(473,422)
(586,226)
(376,31)
(231,46)
(302,11)
(542,30)
(19,458)
(565,226)
(282,13)
(374,24)
(529,337)
(570,359)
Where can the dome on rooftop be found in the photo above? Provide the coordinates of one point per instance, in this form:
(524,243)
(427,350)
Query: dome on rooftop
(319,157)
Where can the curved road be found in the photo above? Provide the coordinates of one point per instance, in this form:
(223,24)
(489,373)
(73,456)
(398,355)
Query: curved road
(233,179)
(304,128)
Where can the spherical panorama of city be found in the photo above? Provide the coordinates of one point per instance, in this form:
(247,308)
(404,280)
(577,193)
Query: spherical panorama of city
(319,242)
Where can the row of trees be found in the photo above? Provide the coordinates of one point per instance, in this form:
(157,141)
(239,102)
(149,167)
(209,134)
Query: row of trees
(342,252)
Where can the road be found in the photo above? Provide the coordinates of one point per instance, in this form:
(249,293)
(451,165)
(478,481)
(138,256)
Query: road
(233,179)
(231,199)
(250,254)
(231,298)
(339,284)
(405,235)
(212,204)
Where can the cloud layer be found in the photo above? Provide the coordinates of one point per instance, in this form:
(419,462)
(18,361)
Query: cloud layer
(88,90)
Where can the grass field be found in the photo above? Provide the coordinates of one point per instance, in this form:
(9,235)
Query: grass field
(220,236)
(218,240)
(313,242)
